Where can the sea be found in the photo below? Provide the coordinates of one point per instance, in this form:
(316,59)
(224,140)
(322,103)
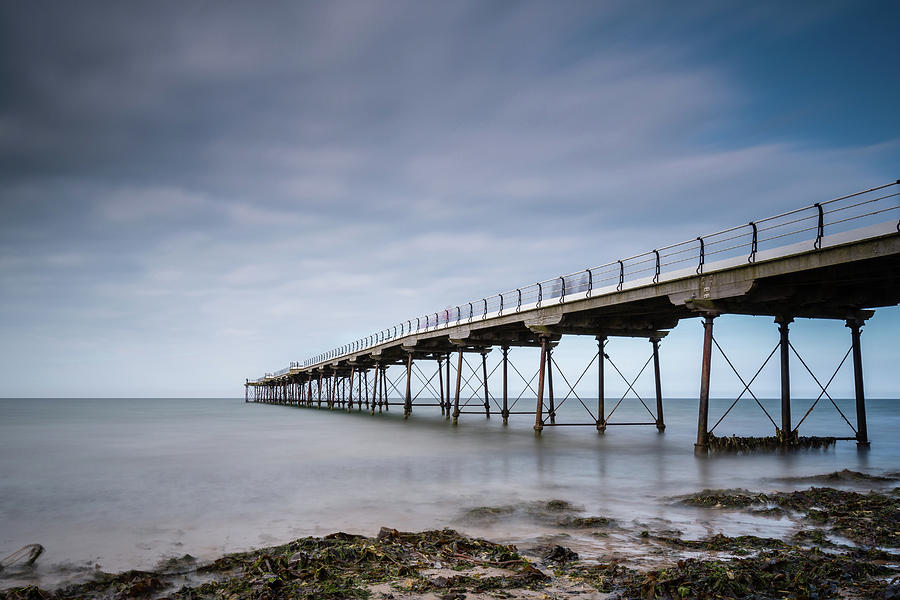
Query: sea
(113,484)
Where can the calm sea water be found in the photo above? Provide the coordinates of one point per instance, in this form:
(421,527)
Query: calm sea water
(124,482)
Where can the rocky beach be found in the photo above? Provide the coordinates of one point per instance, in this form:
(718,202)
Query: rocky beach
(844,544)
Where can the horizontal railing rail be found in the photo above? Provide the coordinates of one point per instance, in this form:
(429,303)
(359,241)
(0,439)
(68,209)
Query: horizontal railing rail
(809,223)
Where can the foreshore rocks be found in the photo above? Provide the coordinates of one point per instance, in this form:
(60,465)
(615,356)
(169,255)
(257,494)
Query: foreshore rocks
(844,550)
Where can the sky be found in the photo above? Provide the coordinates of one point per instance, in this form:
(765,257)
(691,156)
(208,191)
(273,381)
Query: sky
(195,193)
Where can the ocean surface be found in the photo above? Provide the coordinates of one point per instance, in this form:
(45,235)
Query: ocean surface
(123,483)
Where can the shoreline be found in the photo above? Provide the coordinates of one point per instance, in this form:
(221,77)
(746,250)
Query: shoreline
(846,545)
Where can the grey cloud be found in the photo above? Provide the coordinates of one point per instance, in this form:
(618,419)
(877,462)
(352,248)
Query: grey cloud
(221,188)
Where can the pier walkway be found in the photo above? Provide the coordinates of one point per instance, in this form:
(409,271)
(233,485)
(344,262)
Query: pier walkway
(836,259)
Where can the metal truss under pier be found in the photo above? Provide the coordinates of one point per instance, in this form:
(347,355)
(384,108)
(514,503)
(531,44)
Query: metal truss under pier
(837,260)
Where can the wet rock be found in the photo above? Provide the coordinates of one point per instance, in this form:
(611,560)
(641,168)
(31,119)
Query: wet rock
(558,506)
(844,475)
(560,555)
(386,533)
(488,513)
(585,522)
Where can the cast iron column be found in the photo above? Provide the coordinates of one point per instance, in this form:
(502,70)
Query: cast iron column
(660,422)
(701,446)
(505,412)
(539,411)
(862,430)
(783,329)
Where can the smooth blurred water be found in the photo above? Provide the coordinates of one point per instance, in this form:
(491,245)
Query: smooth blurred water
(125,482)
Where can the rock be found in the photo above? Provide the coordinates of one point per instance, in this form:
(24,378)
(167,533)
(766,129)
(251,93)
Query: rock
(561,555)
(386,533)
(346,537)
(892,591)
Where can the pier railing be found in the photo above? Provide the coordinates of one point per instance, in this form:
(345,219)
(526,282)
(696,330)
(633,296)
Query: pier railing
(778,235)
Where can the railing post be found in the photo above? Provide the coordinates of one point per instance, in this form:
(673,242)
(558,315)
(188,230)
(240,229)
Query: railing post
(660,422)
(702,445)
(539,408)
(862,430)
(601,392)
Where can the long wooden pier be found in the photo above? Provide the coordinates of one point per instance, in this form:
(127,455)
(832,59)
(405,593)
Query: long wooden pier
(836,259)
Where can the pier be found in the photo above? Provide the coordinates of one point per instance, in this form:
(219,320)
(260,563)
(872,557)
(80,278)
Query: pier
(837,259)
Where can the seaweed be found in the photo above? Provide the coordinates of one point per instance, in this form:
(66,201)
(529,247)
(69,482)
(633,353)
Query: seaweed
(780,573)
(740,545)
(337,566)
(868,519)
(743,444)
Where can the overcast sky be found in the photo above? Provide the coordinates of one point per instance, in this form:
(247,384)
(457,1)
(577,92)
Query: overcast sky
(194,193)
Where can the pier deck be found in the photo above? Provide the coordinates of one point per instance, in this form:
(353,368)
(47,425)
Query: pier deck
(838,259)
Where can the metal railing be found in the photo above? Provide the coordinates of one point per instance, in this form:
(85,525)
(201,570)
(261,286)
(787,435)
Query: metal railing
(755,240)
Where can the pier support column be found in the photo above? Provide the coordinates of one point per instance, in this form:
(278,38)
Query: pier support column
(440,369)
(552,411)
(459,363)
(449,354)
(660,422)
(539,409)
(332,391)
(365,386)
(407,402)
(702,445)
(246,390)
(783,329)
(320,390)
(601,391)
(862,430)
(350,399)
(505,412)
(385,392)
(374,389)
(484,376)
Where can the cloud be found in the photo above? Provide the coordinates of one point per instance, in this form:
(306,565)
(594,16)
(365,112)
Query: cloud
(245,185)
